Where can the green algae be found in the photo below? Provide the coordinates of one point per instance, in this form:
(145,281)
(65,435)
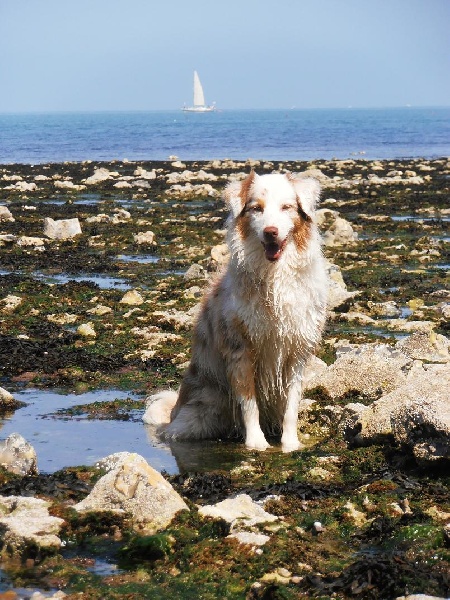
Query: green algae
(194,558)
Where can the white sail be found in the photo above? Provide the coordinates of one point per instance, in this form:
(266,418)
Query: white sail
(199,97)
(199,105)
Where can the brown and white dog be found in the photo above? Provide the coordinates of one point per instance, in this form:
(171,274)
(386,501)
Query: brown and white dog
(259,323)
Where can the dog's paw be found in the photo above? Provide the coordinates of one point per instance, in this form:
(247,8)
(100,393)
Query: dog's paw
(257,443)
(291,445)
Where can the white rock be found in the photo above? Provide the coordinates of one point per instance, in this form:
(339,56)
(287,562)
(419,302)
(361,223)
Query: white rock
(384,309)
(368,369)
(420,597)
(62,229)
(195,271)
(337,290)
(133,486)
(239,511)
(143,174)
(120,216)
(99,175)
(144,237)
(7,238)
(122,185)
(99,310)
(26,523)
(176,318)
(22,186)
(10,303)
(18,456)
(5,214)
(100,218)
(67,184)
(430,347)
(6,398)
(62,318)
(416,414)
(249,538)
(27,241)
(340,233)
(86,330)
(133,298)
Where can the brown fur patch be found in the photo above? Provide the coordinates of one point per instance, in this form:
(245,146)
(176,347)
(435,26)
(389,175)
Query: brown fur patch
(245,188)
(242,375)
(301,232)
(243,225)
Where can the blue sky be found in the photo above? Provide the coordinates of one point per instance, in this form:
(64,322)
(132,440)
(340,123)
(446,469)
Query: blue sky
(140,54)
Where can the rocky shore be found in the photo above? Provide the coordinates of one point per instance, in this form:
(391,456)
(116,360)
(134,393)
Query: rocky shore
(102,267)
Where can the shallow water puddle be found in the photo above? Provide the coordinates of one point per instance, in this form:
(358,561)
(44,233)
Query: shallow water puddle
(419,218)
(62,442)
(139,258)
(104,282)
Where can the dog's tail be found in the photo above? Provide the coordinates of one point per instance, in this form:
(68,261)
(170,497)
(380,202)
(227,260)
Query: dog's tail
(159,406)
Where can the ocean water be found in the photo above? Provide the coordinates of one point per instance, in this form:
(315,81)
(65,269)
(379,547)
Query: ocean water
(238,134)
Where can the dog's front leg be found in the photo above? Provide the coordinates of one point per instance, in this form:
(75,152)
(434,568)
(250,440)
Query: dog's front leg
(289,438)
(254,436)
(242,380)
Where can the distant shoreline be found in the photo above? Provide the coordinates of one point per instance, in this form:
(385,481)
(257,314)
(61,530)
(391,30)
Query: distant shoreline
(149,163)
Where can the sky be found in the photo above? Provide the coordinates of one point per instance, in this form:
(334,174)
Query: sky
(108,55)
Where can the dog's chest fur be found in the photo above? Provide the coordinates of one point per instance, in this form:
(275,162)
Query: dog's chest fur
(281,313)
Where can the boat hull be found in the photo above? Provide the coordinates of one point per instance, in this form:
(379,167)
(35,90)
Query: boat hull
(199,109)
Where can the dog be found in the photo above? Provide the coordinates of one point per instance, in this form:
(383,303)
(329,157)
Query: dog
(259,323)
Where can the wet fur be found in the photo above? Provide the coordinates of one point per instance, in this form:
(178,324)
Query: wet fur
(259,323)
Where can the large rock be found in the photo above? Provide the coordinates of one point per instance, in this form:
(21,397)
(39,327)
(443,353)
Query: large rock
(416,415)
(7,401)
(63,229)
(337,231)
(368,369)
(244,515)
(134,487)
(420,417)
(430,347)
(101,174)
(25,524)
(239,511)
(338,294)
(18,456)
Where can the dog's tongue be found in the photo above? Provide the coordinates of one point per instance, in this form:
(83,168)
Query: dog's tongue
(273,251)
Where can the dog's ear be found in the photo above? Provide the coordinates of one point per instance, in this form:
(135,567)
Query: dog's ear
(237,193)
(308,193)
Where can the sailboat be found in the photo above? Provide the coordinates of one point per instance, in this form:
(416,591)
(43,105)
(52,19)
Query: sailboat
(199,98)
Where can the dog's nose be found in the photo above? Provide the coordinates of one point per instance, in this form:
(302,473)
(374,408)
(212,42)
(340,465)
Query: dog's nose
(270,233)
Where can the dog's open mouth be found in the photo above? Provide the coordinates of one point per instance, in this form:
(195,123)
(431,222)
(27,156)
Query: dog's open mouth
(273,250)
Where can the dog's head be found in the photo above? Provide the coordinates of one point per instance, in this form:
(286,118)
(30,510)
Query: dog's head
(275,209)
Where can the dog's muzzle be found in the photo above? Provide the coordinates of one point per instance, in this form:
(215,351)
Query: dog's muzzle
(272,247)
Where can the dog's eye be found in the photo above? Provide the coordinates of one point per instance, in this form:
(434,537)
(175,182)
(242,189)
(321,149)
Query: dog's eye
(256,208)
(287,207)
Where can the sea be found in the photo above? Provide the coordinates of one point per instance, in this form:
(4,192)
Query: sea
(293,134)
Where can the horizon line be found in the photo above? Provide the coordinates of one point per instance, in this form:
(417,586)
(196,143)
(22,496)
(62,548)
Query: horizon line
(218,109)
